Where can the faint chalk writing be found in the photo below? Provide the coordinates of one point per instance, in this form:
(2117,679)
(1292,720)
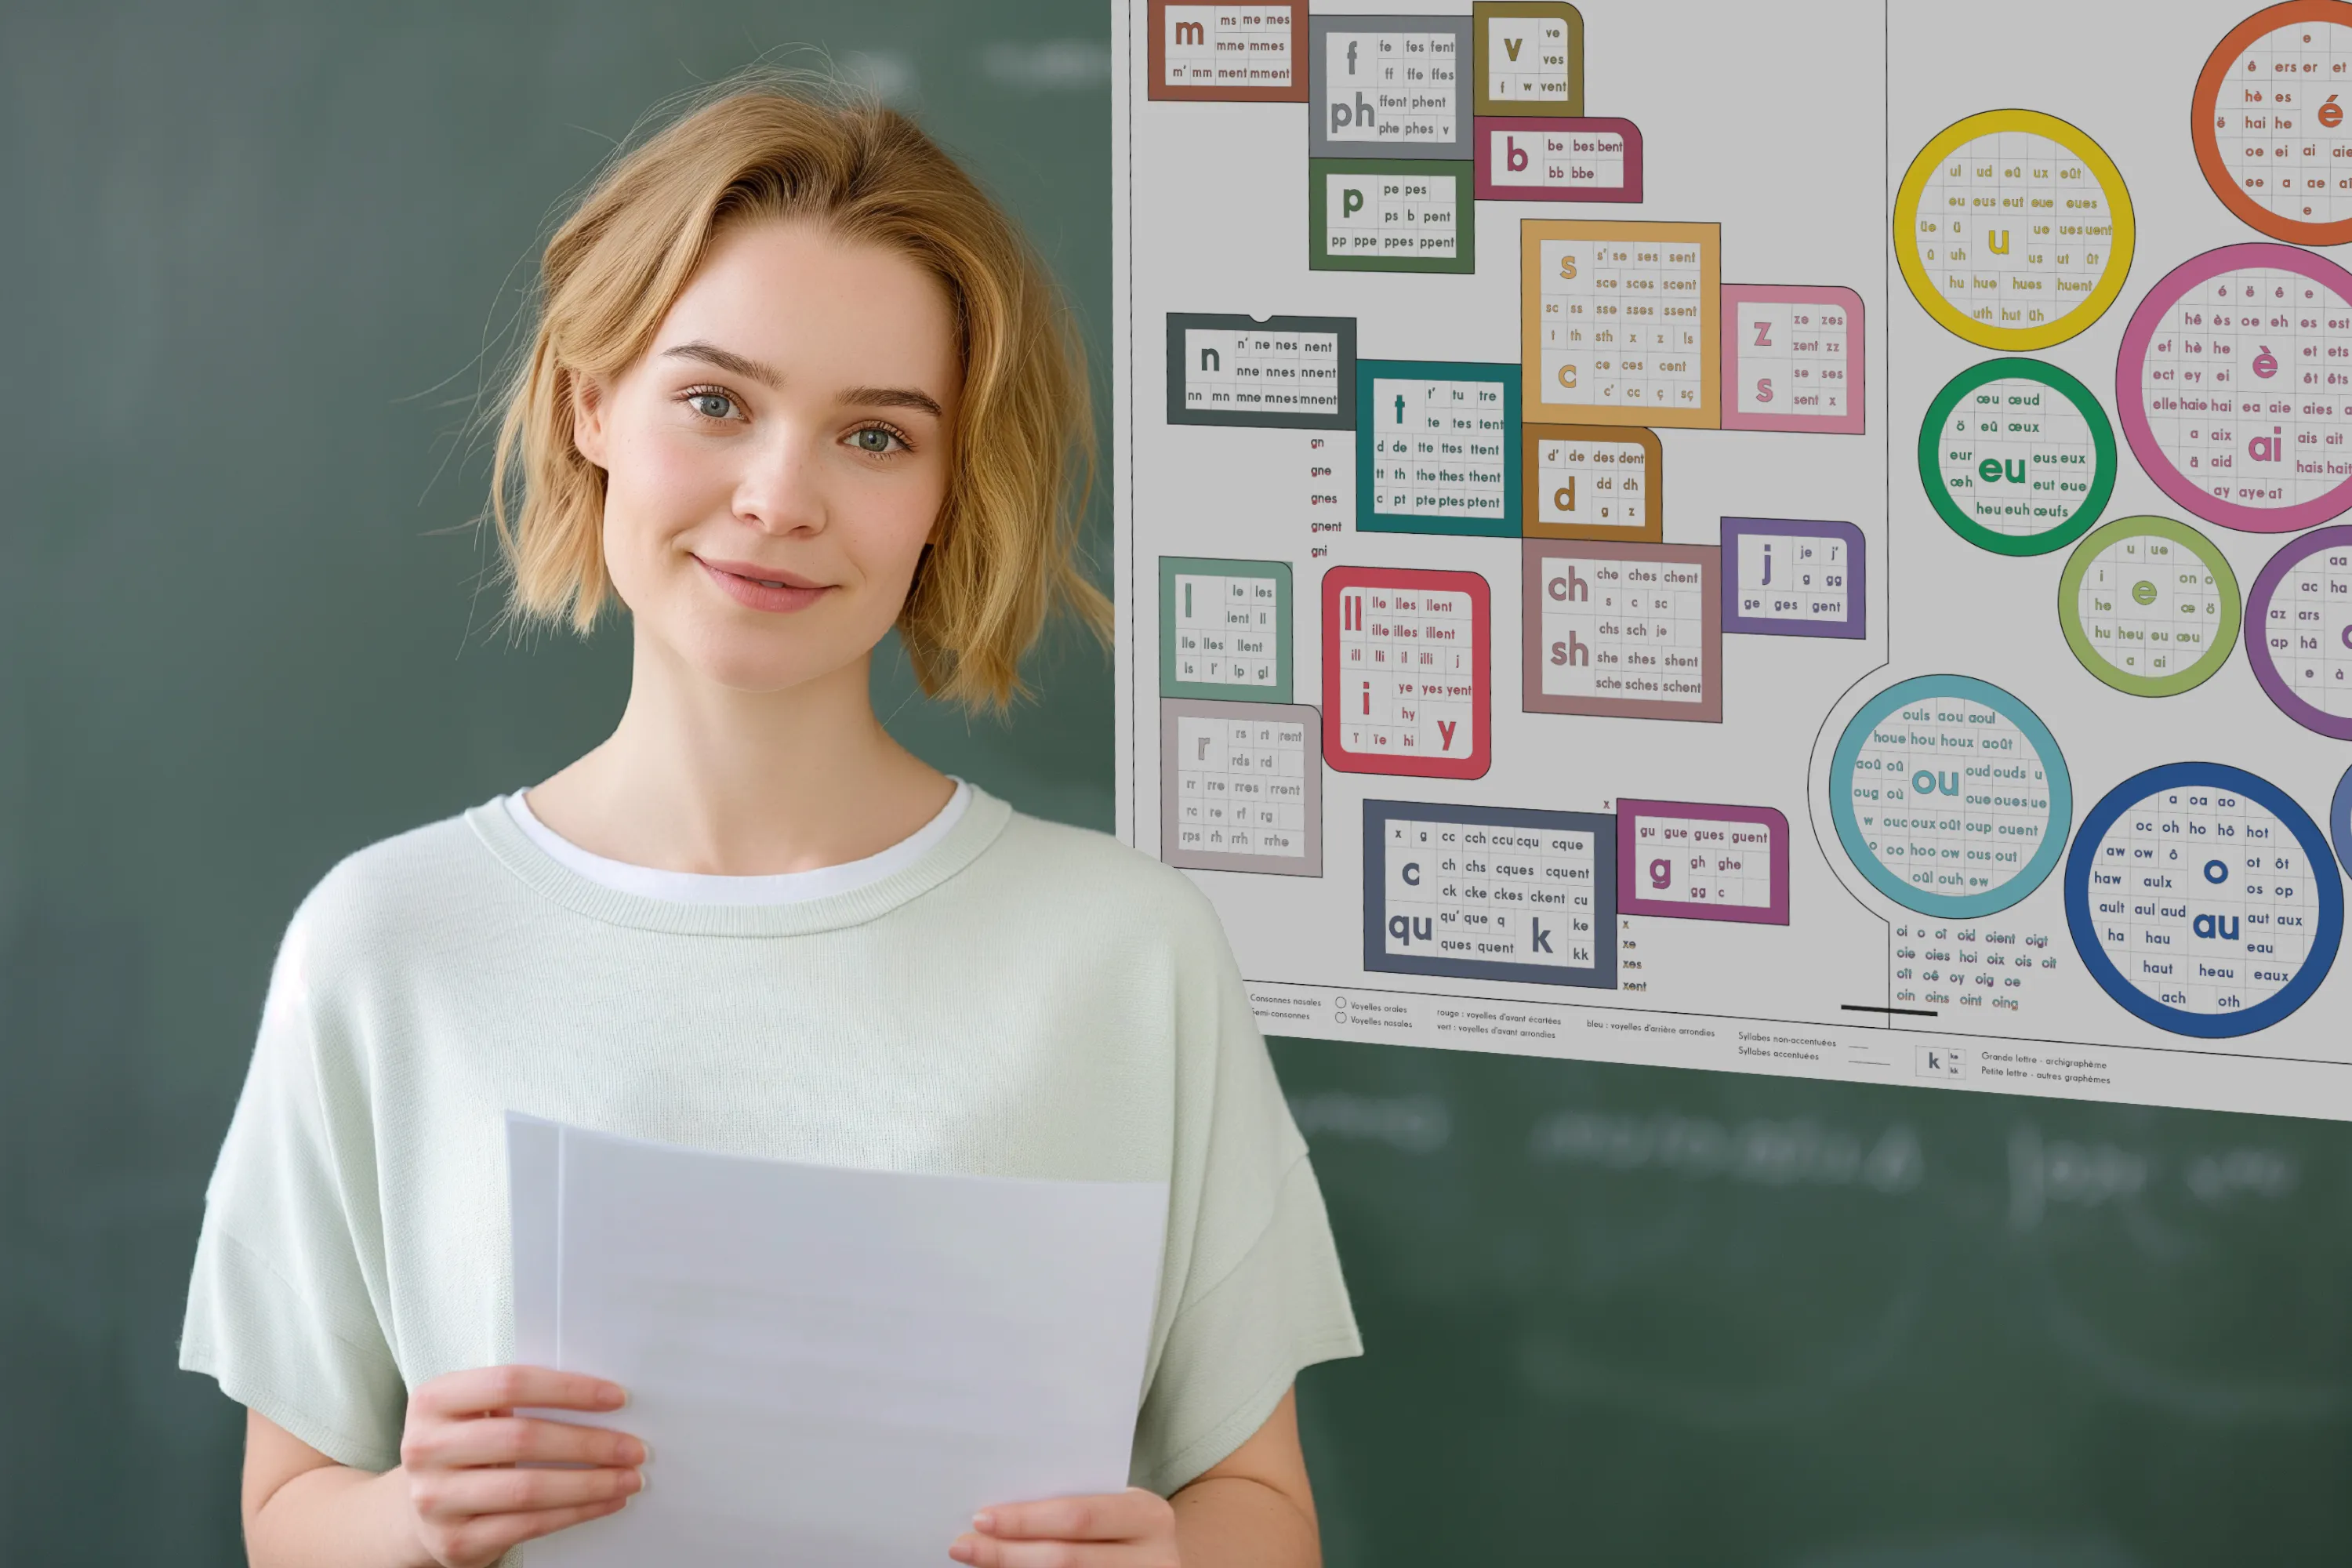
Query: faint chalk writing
(1415,1123)
(1762,1151)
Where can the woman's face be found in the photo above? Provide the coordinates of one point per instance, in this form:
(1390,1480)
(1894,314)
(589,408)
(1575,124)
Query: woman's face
(776,459)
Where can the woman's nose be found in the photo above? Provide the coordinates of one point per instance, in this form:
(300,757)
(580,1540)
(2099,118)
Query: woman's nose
(781,492)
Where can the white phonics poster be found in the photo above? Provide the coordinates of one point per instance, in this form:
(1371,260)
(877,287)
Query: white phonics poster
(1803,539)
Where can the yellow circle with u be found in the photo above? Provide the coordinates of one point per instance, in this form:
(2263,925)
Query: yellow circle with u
(2013,229)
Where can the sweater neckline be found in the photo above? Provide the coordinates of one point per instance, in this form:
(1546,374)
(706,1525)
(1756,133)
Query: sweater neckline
(498,833)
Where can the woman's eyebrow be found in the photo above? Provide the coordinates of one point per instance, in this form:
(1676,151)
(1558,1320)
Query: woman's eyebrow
(725,359)
(862,397)
(890,397)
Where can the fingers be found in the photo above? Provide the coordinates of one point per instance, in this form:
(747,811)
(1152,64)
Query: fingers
(1131,1515)
(1133,1529)
(478,1542)
(451,1496)
(477,1485)
(516,1440)
(483,1390)
(988,1551)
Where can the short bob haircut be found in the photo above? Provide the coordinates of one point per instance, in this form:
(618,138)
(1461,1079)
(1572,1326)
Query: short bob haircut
(766,145)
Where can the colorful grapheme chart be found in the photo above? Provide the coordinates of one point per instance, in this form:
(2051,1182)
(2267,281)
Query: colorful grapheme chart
(1530,58)
(1232,53)
(2267,119)
(1692,862)
(1475,892)
(2339,821)
(1634,630)
(1784,578)
(2234,385)
(1387,87)
(2017,457)
(1441,453)
(1950,796)
(1224,629)
(2150,605)
(1380,214)
(2014,229)
(1532,159)
(1977,696)
(1282,371)
(1593,481)
(2201,899)
(1622,321)
(2299,631)
(1405,672)
(1792,359)
(1242,789)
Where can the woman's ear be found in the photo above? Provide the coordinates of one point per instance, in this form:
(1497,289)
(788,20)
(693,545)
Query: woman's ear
(589,398)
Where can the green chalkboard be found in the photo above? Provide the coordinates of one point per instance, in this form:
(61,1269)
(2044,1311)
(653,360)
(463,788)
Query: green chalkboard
(1635,1315)
(253,256)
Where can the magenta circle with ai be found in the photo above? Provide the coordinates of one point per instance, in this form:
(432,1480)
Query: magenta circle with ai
(2269,318)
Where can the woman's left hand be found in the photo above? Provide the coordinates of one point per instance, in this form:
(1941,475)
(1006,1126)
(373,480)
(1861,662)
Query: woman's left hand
(1133,1529)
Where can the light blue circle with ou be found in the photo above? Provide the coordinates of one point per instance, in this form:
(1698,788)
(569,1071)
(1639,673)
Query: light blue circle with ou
(1857,846)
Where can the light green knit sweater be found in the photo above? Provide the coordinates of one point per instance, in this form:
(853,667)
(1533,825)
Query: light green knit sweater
(1024,999)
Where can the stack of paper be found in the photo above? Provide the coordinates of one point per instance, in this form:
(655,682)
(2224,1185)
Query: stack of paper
(829,1366)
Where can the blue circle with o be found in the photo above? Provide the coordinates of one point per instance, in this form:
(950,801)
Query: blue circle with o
(1849,834)
(2083,925)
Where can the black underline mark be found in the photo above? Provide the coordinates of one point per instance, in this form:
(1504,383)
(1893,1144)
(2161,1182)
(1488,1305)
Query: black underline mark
(1906,1012)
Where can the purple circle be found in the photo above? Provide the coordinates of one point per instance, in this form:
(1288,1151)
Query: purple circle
(2131,389)
(2257,631)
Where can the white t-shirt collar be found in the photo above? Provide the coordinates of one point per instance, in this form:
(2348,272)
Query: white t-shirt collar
(701,888)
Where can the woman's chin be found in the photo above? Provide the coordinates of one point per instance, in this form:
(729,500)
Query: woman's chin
(731,658)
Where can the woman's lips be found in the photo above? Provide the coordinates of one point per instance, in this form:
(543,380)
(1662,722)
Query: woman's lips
(737,579)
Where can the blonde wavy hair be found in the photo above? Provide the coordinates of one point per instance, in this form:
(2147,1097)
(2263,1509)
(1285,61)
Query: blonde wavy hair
(768,145)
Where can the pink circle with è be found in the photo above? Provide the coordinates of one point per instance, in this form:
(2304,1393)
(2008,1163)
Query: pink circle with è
(2132,389)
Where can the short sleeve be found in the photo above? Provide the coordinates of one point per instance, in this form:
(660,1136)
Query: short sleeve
(1258,1290)
(279,1310)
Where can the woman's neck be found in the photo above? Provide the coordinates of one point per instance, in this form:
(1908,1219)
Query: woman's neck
(706,778)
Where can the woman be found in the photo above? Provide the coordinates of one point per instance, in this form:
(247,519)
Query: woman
(795,381)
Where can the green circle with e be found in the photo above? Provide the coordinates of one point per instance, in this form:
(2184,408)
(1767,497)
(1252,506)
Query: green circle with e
(2150,605)
(2017,457)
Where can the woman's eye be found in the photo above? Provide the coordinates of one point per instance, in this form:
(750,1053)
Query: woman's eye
(712,404)
(873,439)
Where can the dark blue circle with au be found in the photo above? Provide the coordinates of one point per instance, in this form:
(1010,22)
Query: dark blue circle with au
(2339,821)
(2083,926)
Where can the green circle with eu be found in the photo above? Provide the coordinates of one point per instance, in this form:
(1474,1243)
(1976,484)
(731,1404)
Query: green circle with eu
(2017,457)
(2150,605)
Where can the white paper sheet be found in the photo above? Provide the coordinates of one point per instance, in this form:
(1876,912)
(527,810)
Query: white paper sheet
(829,1366)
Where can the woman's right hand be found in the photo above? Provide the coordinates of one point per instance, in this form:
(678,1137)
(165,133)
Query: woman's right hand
(459,1454)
